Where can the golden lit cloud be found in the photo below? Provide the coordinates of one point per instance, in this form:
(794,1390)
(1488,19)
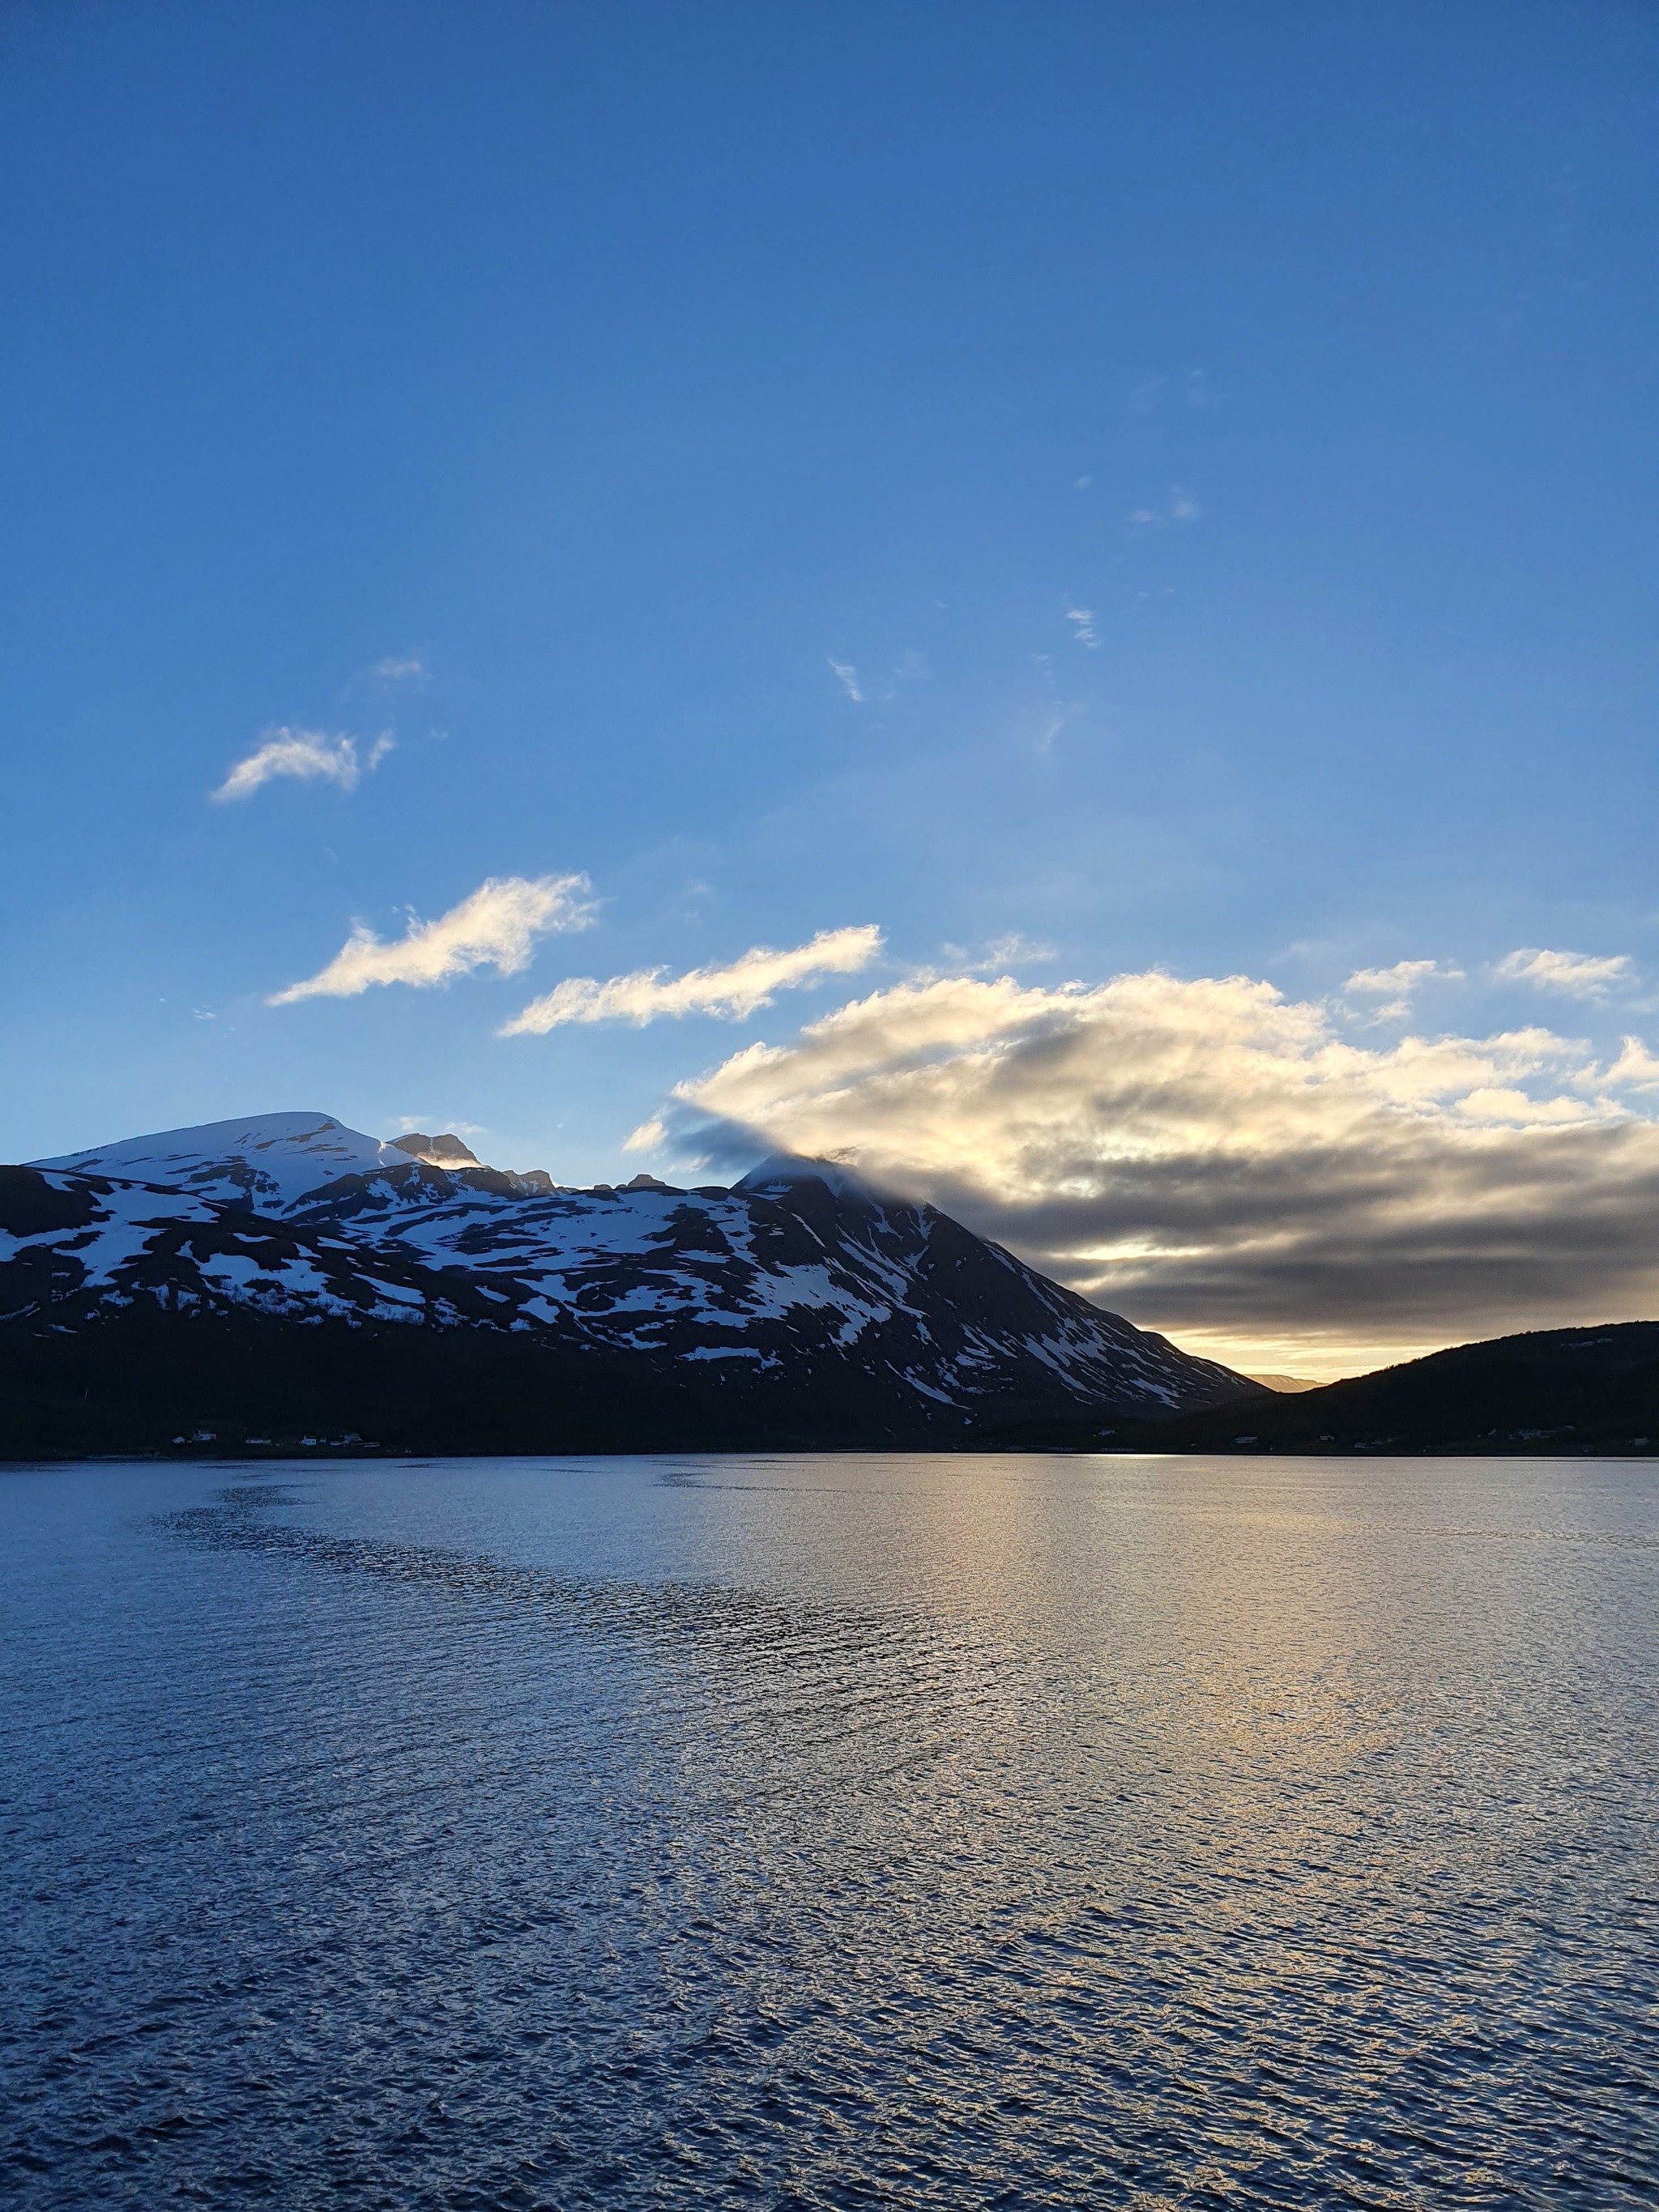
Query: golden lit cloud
(1222,1162)
(729,992)
(495,927)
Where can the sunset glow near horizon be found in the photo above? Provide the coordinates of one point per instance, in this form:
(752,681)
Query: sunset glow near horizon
(1052,602)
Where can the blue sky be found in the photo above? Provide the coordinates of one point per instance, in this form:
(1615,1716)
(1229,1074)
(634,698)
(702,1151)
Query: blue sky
(1216,445)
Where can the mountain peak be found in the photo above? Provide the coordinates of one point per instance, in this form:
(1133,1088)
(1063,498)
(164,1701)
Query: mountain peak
(276,1163)
(260,1159)
(446,1152)
(780,1170)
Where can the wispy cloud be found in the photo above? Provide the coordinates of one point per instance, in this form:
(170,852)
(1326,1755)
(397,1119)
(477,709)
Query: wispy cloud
(1578,975)
(1181,505)
(310,754)
(911,668)
(1083,622)
(1052,713)
(1014,951)
(495,927)
(1395,985)
(730,992)
(1180,388)
(401,668)
(1223,1163)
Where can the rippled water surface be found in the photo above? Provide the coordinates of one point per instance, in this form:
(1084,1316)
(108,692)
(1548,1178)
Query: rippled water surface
(831,1831)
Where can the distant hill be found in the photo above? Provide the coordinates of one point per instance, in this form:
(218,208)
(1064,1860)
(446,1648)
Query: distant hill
(283,1283)
(1552,1391)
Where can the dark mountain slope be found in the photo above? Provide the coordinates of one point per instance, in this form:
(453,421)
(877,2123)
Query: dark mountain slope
(285,1278)
(1551,1391)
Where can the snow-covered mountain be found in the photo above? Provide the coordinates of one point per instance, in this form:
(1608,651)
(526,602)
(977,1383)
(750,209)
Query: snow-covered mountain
(269,1163)
(284,1276)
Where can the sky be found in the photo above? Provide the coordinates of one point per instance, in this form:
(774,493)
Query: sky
(1053,599)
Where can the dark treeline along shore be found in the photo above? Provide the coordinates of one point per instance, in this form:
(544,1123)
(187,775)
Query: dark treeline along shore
(286,1283)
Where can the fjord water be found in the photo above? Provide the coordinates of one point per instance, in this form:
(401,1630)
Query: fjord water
(830,1831)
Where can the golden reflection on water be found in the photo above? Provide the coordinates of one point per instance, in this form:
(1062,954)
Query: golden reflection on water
(835,1829)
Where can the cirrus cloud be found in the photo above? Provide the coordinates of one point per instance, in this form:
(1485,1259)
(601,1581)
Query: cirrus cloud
(309,755)
(495,927)
(1220,1161)
(730,992)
